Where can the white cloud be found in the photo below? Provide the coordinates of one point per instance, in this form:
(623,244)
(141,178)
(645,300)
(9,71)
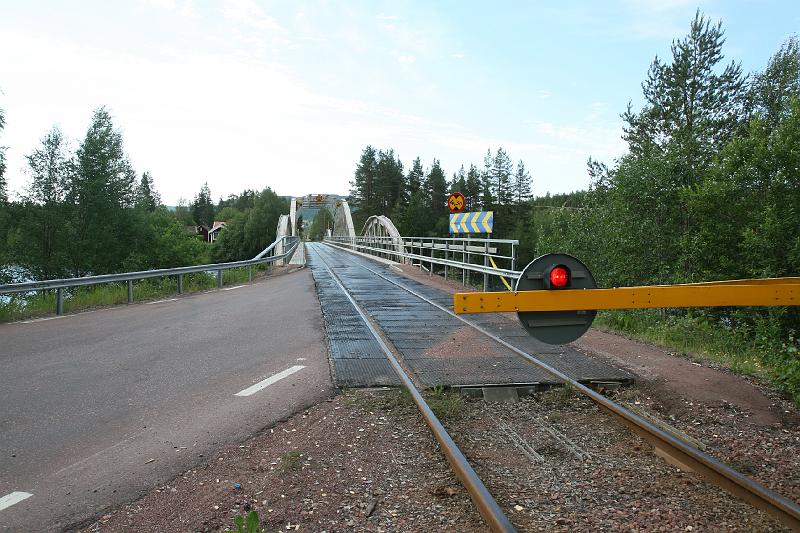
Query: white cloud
(406,59)
(247,13)
(384,17)
(458,56)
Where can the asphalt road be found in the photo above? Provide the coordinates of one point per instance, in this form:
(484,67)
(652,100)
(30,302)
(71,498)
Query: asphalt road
(98,407)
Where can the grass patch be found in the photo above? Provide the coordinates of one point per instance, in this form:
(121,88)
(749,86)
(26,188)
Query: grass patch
(559,396)
(750,351)
(290,461)
(446,404)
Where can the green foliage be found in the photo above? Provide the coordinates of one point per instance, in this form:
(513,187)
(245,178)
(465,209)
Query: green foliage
(162,242)
(203,207)
(101,189)
(147,198)
(252,525)
(251,230)
(772,91)
(290,461)
(446,404)
(322,221)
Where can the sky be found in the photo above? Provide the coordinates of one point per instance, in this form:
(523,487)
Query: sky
(247,94)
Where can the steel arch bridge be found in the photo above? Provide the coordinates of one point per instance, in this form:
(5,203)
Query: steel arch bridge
(335,205)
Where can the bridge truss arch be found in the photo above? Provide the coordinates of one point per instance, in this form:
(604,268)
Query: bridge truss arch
(380,232)
(333,204)
(343,220)
(286,228)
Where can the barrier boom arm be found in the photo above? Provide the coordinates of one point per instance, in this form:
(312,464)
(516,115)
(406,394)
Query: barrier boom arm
(752,292)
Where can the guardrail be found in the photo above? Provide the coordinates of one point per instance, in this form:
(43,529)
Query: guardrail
(289,246)
(459,253)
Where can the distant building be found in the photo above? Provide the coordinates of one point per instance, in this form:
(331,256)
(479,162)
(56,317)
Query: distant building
(213,233)
(202,230)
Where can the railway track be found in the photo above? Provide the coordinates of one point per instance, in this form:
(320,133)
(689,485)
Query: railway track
(783,509)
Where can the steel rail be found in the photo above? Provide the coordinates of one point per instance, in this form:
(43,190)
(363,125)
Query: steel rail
(783,509)
(486,504)
(30,286)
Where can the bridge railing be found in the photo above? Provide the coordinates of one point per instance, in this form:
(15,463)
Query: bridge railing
(486,257)
(268,255)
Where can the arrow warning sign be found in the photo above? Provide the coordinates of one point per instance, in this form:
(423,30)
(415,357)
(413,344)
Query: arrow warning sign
(474,222)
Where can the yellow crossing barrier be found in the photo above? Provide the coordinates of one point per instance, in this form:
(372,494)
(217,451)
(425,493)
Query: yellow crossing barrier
(749,292)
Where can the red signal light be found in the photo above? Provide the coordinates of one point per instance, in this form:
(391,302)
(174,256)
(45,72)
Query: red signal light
(559,277)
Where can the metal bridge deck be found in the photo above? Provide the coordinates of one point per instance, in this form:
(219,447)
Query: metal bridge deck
(437,347)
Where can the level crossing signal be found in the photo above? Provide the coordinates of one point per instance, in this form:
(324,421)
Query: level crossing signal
(556,272)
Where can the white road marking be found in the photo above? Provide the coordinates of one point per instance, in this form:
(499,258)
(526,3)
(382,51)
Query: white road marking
(161,301)
(233,288)
(270,380)
(15,497)
(35,320)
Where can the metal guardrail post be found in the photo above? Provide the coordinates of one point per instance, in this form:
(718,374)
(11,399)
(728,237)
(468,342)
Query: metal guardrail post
(430,272)
(219,279)
(513,257)
(446,247)
(130,291)
(486,264)
(180,283)
(249,273)
(59,301)
(464,260)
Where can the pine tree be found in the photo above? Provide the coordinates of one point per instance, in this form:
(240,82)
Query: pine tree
(522,184)
(415,176)
(389,183)
(472,189)
(487,200)
(691,110)
(203,207)
(363,194)
(147,198)
(436,186)
(459,181)
(502,167)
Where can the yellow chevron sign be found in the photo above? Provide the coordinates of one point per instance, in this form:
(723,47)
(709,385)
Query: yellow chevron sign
(475,222)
